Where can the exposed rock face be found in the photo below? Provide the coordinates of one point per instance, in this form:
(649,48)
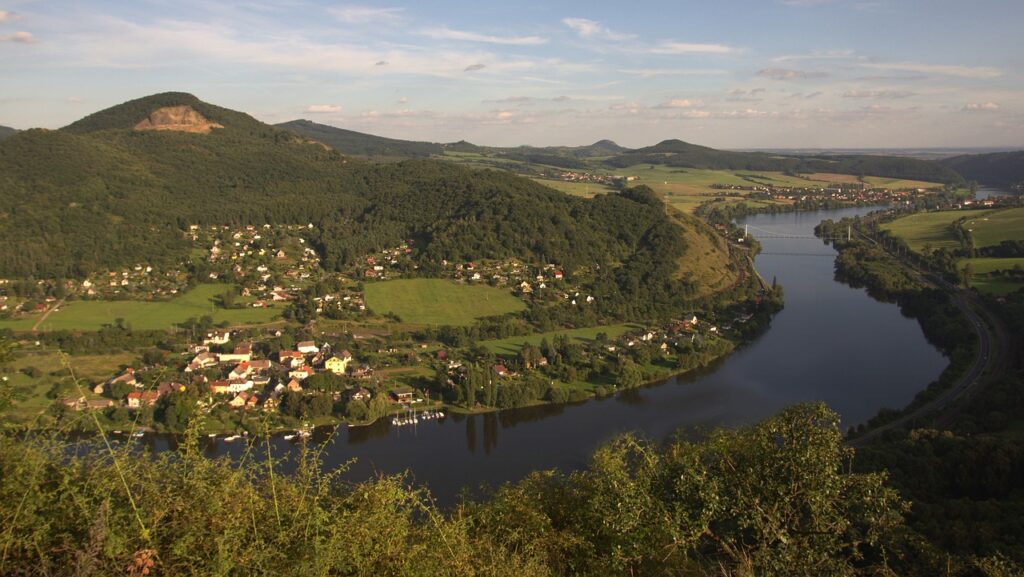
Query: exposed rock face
(180,118)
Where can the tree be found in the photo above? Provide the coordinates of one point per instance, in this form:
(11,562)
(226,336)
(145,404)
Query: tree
(175,410)
(356,410)
(968,272)
(630,376)
(379,407)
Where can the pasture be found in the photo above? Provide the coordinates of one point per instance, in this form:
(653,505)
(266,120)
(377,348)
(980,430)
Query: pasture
(144,315)
(426,301)
(983,267)
(512,345)
(923,229)
(989,228)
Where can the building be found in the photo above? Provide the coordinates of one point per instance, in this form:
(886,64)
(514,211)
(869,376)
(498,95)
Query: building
(217,338)
(307,348)
(338,364)
(139,399)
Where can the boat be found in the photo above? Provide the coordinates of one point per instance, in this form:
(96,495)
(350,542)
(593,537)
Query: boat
(138,434)
(289,437)
(232,438)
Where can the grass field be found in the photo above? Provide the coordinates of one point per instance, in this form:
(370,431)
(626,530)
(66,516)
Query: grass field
(30,394)
(897,183)
(511,345)
(144,315)
(926,228)
(584,189)
(983,266)
(989,228)
(439,302)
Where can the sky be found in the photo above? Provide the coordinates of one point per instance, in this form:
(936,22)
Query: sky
(725,73)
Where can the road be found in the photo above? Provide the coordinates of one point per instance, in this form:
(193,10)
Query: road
(56,306)
(970,380)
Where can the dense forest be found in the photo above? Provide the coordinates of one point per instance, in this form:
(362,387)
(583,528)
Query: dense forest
(998,168)
(100,195)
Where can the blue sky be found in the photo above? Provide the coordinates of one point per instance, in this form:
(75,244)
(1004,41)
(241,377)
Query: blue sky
(731,73)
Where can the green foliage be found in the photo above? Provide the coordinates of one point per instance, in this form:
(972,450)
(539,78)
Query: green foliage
(772,499)
(999,168)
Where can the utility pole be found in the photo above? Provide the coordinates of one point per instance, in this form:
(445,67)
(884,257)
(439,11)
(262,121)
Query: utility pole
(848,231)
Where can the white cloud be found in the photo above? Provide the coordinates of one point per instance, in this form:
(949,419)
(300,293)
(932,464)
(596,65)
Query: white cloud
(365,14)
(818,55)
(590,29)
(681,103)
(7,16)
(444,33)
(19,37)
(691,48)
(981,107)
(789,74)
(944,70)
(323,108)
(878,94)
(655,72)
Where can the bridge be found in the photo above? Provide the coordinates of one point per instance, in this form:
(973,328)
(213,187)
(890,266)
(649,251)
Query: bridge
(765,233)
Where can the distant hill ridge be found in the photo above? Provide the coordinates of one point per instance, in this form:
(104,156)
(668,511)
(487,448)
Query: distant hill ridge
(997,168)
(606,154)
(6,131)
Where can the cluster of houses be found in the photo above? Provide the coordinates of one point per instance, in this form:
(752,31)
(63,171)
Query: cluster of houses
(244,381)
(609,180)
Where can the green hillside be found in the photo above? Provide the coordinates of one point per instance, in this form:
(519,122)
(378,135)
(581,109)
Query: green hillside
(360,144)
(998,168)
(100,194)
(6,131)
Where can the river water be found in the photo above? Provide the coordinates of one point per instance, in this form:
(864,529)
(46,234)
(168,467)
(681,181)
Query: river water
(831,343)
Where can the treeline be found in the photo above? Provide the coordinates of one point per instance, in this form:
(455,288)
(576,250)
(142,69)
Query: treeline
(776,498)
(998,168)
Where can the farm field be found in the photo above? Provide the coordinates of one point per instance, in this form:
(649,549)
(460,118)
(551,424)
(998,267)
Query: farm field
(428,301)
(898,183)
(512,345)
(989,228)
(145,315)
(993,285)
(584,189)
(30,393)
(926,228)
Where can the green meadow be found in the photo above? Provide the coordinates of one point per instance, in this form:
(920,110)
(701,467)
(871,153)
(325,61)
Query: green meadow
(145,315)
(430,301)
(993,285)
(512,345)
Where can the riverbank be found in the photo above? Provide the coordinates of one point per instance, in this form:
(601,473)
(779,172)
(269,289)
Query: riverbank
(941,310)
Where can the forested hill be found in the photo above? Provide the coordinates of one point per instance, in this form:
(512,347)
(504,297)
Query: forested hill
(998,168)
(360,144)
(6,131)
(121,186)
(686,155)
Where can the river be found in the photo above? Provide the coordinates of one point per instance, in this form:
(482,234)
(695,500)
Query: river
(831,343)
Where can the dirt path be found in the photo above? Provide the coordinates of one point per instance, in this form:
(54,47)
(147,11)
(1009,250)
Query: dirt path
(46,315)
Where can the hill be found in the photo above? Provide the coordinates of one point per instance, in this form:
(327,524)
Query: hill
(998,168)
(6,131)
(360,144)
(103,193)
